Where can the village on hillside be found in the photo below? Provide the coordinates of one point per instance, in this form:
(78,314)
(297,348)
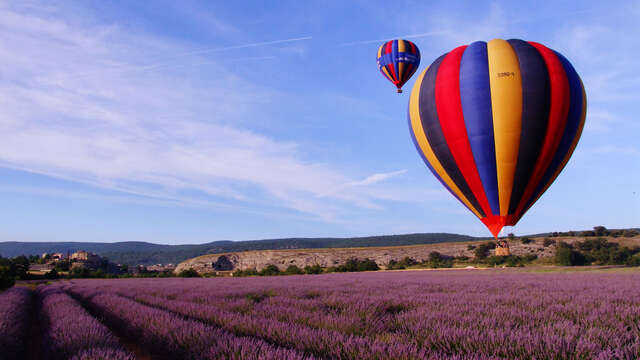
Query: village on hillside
(82,263)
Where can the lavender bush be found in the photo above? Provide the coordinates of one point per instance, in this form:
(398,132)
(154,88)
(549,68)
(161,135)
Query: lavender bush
(69,331)
(103,354)
(15,308)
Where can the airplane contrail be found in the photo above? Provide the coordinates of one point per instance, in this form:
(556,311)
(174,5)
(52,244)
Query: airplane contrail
(168,60)
(433,33)
(174,65)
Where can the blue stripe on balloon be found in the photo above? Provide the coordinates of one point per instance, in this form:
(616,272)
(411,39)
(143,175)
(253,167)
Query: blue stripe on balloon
(404,57)
(475,95)
(571,128)
(394,54)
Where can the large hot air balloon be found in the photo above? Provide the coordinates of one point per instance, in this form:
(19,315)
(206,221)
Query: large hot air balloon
(496,122)
(398,60)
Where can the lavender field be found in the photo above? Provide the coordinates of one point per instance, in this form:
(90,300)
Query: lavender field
(391,315)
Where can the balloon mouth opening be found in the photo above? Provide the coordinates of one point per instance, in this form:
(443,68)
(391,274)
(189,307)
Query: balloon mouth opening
(495,223)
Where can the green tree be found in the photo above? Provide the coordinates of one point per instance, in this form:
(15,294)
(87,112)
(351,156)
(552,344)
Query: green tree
(53,274)
(634,260)
(367,265)
(567,256)
(6,278)
(313,269)
(247,272)
(80,272)
(481,251)
(600,231)
(63,265)
(188,273)
(293,270)
(20,267)
(270,270)
(434,256)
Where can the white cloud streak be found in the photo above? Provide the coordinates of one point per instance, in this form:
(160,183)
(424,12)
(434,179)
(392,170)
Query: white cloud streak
(169,60)
(410,36)
(169,135)
(375,178)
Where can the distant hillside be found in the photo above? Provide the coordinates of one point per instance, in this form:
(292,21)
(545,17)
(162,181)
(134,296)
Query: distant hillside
(133,253)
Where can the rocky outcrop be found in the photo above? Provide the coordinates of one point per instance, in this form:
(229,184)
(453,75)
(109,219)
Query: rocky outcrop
(332,257)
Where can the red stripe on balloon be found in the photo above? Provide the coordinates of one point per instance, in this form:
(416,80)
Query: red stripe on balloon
(392,71)
(558,110)
(449,107)
(388,47)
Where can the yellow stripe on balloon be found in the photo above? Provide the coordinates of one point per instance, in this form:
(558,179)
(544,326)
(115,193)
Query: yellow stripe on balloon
(380,50)
(506,103)
(425,147)
(401,46)
(386,72)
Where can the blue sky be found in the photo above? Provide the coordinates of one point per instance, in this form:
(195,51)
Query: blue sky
(188,122)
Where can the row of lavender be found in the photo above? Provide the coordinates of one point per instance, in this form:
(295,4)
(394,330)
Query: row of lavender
(69,332)
(414,314)
(169,336)
(15,307)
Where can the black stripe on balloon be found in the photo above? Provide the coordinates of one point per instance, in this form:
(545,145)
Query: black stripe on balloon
(536,95)
(435,136)
(574,118)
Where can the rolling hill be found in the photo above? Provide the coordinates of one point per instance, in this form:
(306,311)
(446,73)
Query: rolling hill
(135,252)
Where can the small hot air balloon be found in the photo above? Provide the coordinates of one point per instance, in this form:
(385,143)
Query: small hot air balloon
(496,123)
(398,60)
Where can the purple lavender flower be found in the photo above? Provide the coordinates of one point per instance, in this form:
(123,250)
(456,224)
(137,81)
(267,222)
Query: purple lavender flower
(15,309)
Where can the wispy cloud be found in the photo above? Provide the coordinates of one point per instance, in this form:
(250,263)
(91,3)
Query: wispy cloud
(624,150)
(369,180)
(169,135)
(170,61)
(375,178)
(410,36)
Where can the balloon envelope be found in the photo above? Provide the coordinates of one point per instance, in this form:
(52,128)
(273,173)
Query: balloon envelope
(496,122)
(398,60)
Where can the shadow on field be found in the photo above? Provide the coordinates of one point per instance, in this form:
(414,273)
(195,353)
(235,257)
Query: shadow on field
(34,341)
